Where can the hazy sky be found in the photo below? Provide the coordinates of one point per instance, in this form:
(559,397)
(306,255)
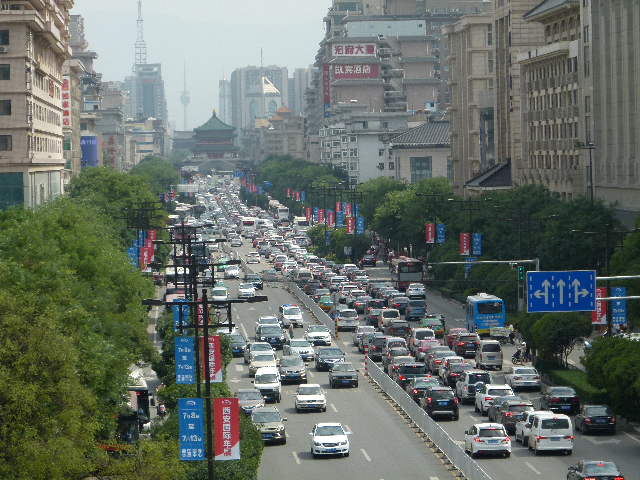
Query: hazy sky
(211,36)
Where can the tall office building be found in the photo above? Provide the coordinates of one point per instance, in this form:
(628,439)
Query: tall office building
(224,102)
(147,97)
(33,48)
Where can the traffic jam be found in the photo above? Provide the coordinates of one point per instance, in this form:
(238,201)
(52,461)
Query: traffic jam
(476,380)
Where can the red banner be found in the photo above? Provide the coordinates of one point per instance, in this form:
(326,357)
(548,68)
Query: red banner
(308,213)
(243,182)
(321,215)
(326,83)
(431,232)
(213,358)
(146,255)
(331,218)
(465,242)
(288,193)
(342,72)
(226,421)
(338,207)
(297,196)
(351,225)
(152,235)
(347,210)
(599,317)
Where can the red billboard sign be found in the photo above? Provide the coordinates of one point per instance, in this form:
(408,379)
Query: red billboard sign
(431,232)
(226,421)
(354,50)
(351,225)
(465,242)
(346,72)
(297,196)
(288,193)
(599,317)
(338,206)
(213,358)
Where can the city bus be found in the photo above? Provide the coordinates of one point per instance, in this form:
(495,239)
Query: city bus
(405,271)
(247,226)
(483,312)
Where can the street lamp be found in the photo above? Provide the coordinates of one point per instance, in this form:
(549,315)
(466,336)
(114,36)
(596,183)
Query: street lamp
(588,146)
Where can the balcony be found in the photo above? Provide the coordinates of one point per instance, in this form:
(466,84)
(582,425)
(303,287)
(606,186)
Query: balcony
(394,94)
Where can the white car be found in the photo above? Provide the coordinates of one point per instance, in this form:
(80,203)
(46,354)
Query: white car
(329,439)
(310,397)
(246,290)
(253,257)
(491,438)
(318,334)
(267,320)
(299,347)
(416,290)
(523,426)
(236,242)
(488,393)
(231,271)
(219,294)
(291,313)
(523,377)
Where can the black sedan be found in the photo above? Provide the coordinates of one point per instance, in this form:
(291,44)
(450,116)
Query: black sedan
(560,400)
(238,343)
(593,418)
(342,374)
(368,261)
(418,385)
(440,401)
(254,279)
(595,470)
(326,357)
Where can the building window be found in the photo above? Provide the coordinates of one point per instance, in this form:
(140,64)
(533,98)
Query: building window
(353,139)
(335,143)
(344,139)
(353,166)
(489,37)
(345,153)
(392,166)
(5,143)
(11,186)
(353,152)
(381,166)
(380,152)
(5,72)
(489,62)
(586,61)
(4,37)
(5,107)
(384,124)
(449,168)
(420,168)
(587,104)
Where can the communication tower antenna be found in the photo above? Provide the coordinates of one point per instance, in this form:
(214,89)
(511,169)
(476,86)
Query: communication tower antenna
(185,99)
(141,46)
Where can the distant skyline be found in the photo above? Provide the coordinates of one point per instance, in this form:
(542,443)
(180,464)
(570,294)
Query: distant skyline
(211,37)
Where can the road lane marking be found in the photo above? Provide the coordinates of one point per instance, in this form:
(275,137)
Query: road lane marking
(433,478)
(333,407)
(532,468)
(295,457)
(244,332)
(347,429)
(239,368)
(365,455)
(631,437)
(286,434)
(270,308)
(310,373)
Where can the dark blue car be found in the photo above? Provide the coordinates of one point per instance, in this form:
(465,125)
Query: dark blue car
(416,309)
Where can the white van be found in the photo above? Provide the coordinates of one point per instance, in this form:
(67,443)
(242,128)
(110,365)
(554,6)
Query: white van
(268,382)
(551,432)
(302,275)
(489,354)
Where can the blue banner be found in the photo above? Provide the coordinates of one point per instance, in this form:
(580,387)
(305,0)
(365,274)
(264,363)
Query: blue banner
(476,243)
(266,184)
(339,219)
(238,174)
(618,307)
(191,427)
(88,151)
(315,214)
(132,253)
(184,360)
(360,225)
(327,237)
(259,190)
(357,213)
(327,106)
(176,314)
(439,232)
(303,196)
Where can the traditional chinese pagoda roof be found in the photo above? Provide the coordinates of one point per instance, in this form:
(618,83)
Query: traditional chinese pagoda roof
(283,109)
(214,124)
(276,118)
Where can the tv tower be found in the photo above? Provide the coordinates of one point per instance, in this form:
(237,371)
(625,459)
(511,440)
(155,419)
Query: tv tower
(141,46)
(184,97)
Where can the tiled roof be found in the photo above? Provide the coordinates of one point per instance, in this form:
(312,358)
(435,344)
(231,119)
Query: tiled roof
(214,123)
(497,176)
(284,109)
(428,133)
(276,118)
(548,5)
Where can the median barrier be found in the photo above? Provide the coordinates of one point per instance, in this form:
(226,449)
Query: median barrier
(454,453)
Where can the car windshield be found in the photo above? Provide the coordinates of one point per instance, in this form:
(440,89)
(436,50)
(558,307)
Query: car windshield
(492,432)
(601,468)
(291,362)
(563,391)
(460,367)
(219,292)
(521,408)
(329,431)
(555,423)
(425,382)
(265,417)
(598,411)
(496,391)
(309,390)
(253,277)
(255,395)
(343,367)
(317,328)
(442,394)
(236,338)
(390,314)
(244,286)
(266,378)
(256,347)
(270,331)
(292,311)
(330,352)
(479,377)
(396,344)
(417,303)
(299,343)
(413,369)
(268,321)
(263,358)
(491,347)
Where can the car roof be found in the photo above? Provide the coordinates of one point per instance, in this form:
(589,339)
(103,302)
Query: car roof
(266,409)
(489,425)
(329,424)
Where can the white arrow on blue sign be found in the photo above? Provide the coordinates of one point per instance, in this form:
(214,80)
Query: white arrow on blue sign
(569,291)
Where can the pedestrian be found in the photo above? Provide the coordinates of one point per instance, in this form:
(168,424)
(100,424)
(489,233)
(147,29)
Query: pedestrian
(290,329)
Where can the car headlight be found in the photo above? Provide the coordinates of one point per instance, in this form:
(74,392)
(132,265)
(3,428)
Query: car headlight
(343,443)
(316,443)
(262,338)
(281,428)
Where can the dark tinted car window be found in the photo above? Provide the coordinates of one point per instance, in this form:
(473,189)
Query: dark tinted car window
(415,369)
(563,391)
(555,423)
(479,377)
(492,432)
(442,394)
(417,303)
(598,411)
(491,347)
(520,408)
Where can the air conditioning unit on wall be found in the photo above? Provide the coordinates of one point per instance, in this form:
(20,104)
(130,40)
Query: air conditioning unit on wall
(4,48)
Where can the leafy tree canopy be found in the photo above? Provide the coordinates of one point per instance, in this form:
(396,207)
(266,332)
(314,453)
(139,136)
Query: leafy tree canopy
(159,173)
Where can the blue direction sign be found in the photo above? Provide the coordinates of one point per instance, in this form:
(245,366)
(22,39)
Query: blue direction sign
(570,291)
(266,184)
(238,174)
(618,307)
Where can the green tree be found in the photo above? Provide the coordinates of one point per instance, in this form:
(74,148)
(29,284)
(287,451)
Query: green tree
(374,192)
(177,157)
(557,334)
(158,173)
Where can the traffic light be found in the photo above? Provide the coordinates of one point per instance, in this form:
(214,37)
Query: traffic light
(520,274)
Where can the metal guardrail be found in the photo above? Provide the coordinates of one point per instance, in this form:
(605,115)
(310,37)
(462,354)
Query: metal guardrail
(454,453)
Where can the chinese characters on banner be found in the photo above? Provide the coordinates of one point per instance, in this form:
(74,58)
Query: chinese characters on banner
(439,232)
(599,316)
(465,240)
(297,196)
(340,219)
(66,101)
(477,243)
(320,215)
(618,307)
(213,359)
(180,313)
(351,224)
(288,193)
(226,422)
(146,255)
(347,209)
(354,50)
(430,233)
(326,88)
(308,213)
(315,214)
(331,218)
(338,206)
(342,72)
(184,360)
(303,196)
(191,429)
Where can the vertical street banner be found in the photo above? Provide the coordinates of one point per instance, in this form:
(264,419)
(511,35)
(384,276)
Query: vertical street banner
(132,254)
(259,189)
(350,225)
(308,213)
(200,313)
(327,237)
(439,232)
(185,370)
(477,243)
(213,358)
(347,210)
(321,215)
(339,219)
(303,196)
(226,433)
(288,193)
(326,88)
(316,215)
(338,207)
(297,196)
(430,229)
(356,210)
(180,314)
(191,429)
(599,316)
(618,307)
(359,225)
(331,218)
(465,240)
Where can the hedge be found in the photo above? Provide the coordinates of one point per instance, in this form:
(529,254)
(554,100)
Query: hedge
(577,379)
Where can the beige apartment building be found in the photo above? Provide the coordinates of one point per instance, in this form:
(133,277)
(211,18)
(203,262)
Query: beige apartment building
(471,111)
(33,49)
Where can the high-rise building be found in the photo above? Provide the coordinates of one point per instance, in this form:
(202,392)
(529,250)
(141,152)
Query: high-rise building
(33,48)
(301,82)
(224,102)
(147,93)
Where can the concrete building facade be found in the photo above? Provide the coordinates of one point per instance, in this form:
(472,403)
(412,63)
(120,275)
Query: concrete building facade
(224,101)
(33,39)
